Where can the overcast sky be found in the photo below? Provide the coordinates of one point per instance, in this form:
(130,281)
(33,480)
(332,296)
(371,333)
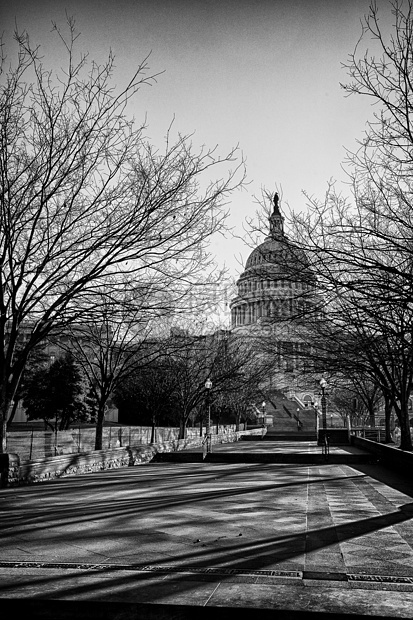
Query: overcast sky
(262,74)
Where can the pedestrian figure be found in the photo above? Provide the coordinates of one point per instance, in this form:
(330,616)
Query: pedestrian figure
(397,435)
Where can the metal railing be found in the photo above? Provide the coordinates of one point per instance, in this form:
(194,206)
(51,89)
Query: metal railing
(373,433)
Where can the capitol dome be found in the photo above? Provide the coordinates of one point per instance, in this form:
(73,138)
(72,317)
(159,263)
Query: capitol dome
(275,281)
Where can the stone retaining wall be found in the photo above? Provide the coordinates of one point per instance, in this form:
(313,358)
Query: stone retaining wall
(336,436)
(15,472)
(388,455)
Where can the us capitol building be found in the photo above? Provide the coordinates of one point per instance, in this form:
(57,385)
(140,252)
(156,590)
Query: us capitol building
(273,295)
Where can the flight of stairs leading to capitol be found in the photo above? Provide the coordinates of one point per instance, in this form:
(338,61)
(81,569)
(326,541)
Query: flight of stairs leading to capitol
(284,427)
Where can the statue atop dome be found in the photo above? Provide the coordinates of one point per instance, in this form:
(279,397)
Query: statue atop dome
(276,220)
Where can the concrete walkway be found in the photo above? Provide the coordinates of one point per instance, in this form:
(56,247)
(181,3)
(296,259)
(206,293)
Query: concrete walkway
(303,539)
(270,452)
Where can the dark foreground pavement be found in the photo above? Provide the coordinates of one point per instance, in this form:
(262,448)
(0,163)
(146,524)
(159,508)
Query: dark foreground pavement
(166,540)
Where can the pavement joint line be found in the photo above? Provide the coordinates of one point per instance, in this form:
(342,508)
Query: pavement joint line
(313,575)
(211,595)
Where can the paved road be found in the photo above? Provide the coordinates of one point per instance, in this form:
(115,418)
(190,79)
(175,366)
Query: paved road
(331,538)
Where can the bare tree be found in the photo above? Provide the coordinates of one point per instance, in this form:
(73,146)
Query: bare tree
(84,197)
(248,387)
(221,357)
(364,342)
(117,339)
(360,248)
(147,396)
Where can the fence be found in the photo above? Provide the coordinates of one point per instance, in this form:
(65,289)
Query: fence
(40,444)
(377,433)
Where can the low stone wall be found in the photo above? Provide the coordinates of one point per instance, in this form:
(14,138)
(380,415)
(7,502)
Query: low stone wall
(15,472)
(388,455)
(336,436)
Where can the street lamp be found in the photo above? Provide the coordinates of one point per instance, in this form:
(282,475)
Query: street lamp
(263,411)
(323,385)
(208,386)
(299,424)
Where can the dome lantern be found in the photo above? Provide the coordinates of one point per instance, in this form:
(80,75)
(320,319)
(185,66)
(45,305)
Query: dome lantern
(276,220)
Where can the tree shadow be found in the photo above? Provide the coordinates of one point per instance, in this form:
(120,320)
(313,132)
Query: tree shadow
(242,555)
(103,509)
(396,479)
(229,553)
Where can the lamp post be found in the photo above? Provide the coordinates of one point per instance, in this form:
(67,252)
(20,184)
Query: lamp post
(298,420)
(323,385)
(263,411)
(315,407)
(208,386)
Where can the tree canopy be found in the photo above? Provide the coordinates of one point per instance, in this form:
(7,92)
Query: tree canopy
(86,202)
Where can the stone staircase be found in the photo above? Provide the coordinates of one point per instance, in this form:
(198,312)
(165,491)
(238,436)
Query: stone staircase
(287,413)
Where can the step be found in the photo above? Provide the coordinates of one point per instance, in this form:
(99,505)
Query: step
(290,436)
(283,436)
(291,428)
(312,458)
(181,456)
(277,457)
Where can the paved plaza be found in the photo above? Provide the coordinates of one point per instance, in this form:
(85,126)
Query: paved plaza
(330,537)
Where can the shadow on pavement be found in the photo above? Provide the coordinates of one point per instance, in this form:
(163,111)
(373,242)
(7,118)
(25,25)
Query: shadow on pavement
(87,610)
(250,555)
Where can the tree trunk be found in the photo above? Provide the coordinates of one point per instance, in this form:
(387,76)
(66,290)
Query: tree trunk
(99,426)
(4,414)
(387,418)
(237,421)
(5,405)
(12,413)
(406,439)
(3,432)
(182,427)
(7,394)
(65,421)
(48,425)
(372,417)
(153,429)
